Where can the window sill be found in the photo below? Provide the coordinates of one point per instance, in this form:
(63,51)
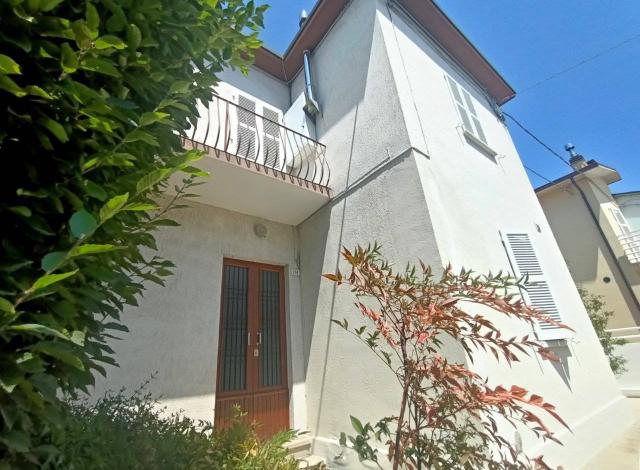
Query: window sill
(480,145)
(554,337)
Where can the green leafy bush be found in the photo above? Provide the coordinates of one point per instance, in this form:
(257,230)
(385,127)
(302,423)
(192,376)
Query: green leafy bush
(599,315)
(134,432)
(95,96)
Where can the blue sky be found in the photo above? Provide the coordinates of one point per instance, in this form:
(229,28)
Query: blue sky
(596,106)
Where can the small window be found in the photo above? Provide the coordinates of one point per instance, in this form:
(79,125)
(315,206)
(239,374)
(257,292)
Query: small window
(466,110)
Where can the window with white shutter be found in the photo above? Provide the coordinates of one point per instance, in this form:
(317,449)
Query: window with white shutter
(537,293)
(247,131)
(271,133)
(466,110)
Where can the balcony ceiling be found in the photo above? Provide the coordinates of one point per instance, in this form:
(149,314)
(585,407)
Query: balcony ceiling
(252,189)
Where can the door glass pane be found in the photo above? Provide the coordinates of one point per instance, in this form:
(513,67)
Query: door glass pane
(234,328)
(270,370)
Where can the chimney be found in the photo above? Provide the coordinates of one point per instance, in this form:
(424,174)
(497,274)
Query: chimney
(576,160)
(303,18)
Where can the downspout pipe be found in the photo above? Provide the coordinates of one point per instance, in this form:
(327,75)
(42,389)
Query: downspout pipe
(607,244)
(311,107)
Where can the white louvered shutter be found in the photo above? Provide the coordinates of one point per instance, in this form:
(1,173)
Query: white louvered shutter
(247,130)
(466,109)
(271,138)
(538,292)
(462,110)
(474,117)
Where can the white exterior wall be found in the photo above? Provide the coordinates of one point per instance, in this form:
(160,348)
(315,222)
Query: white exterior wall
(377,196)
(175,330)
(472,197)
(258,84)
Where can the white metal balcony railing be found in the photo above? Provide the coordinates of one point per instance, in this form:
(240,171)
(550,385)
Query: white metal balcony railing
(228,131)
(631,245)
(626,333)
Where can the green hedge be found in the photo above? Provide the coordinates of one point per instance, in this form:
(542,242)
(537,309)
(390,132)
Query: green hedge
(133,432)
(94,95)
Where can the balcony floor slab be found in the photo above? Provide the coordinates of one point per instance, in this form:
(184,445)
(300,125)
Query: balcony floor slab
(243,186)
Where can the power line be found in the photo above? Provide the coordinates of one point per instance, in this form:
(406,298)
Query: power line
(534,137)
(553,152)
(537,174)
(581,63)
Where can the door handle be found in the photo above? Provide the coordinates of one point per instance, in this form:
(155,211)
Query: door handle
(249,338)
(259,338)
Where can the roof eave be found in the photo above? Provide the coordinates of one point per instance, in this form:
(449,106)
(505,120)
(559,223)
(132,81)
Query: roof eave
(427,13)
(609,175)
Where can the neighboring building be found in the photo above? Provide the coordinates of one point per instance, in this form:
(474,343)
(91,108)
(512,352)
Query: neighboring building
(597,240)
(599,235)
(405,145)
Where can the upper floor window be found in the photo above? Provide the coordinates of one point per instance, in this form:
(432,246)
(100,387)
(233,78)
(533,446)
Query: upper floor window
(466,110)
(621,221)
(258,134)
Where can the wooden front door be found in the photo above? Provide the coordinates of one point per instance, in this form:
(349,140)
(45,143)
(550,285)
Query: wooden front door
(252,365)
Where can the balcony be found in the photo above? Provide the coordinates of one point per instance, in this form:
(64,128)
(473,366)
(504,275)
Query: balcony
(259,167)
(631,244)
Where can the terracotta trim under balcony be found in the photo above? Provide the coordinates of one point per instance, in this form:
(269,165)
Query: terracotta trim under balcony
(259,167)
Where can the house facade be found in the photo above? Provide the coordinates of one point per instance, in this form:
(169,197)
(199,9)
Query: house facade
(381,122)
(599,235)
(605,257)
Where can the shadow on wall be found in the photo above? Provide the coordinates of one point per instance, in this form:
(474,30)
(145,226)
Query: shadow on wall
(312,255)
(563,352)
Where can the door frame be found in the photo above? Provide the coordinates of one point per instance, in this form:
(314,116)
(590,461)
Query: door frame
(252,367)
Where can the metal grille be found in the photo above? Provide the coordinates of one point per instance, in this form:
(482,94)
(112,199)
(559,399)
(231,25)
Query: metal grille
(234,328)
(270,373)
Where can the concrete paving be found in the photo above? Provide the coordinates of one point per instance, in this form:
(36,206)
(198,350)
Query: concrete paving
(624,452)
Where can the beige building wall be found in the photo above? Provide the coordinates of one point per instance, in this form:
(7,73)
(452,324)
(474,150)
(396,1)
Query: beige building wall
(591,263)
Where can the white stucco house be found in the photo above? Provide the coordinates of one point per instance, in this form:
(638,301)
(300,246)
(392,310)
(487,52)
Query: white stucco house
(394,134)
